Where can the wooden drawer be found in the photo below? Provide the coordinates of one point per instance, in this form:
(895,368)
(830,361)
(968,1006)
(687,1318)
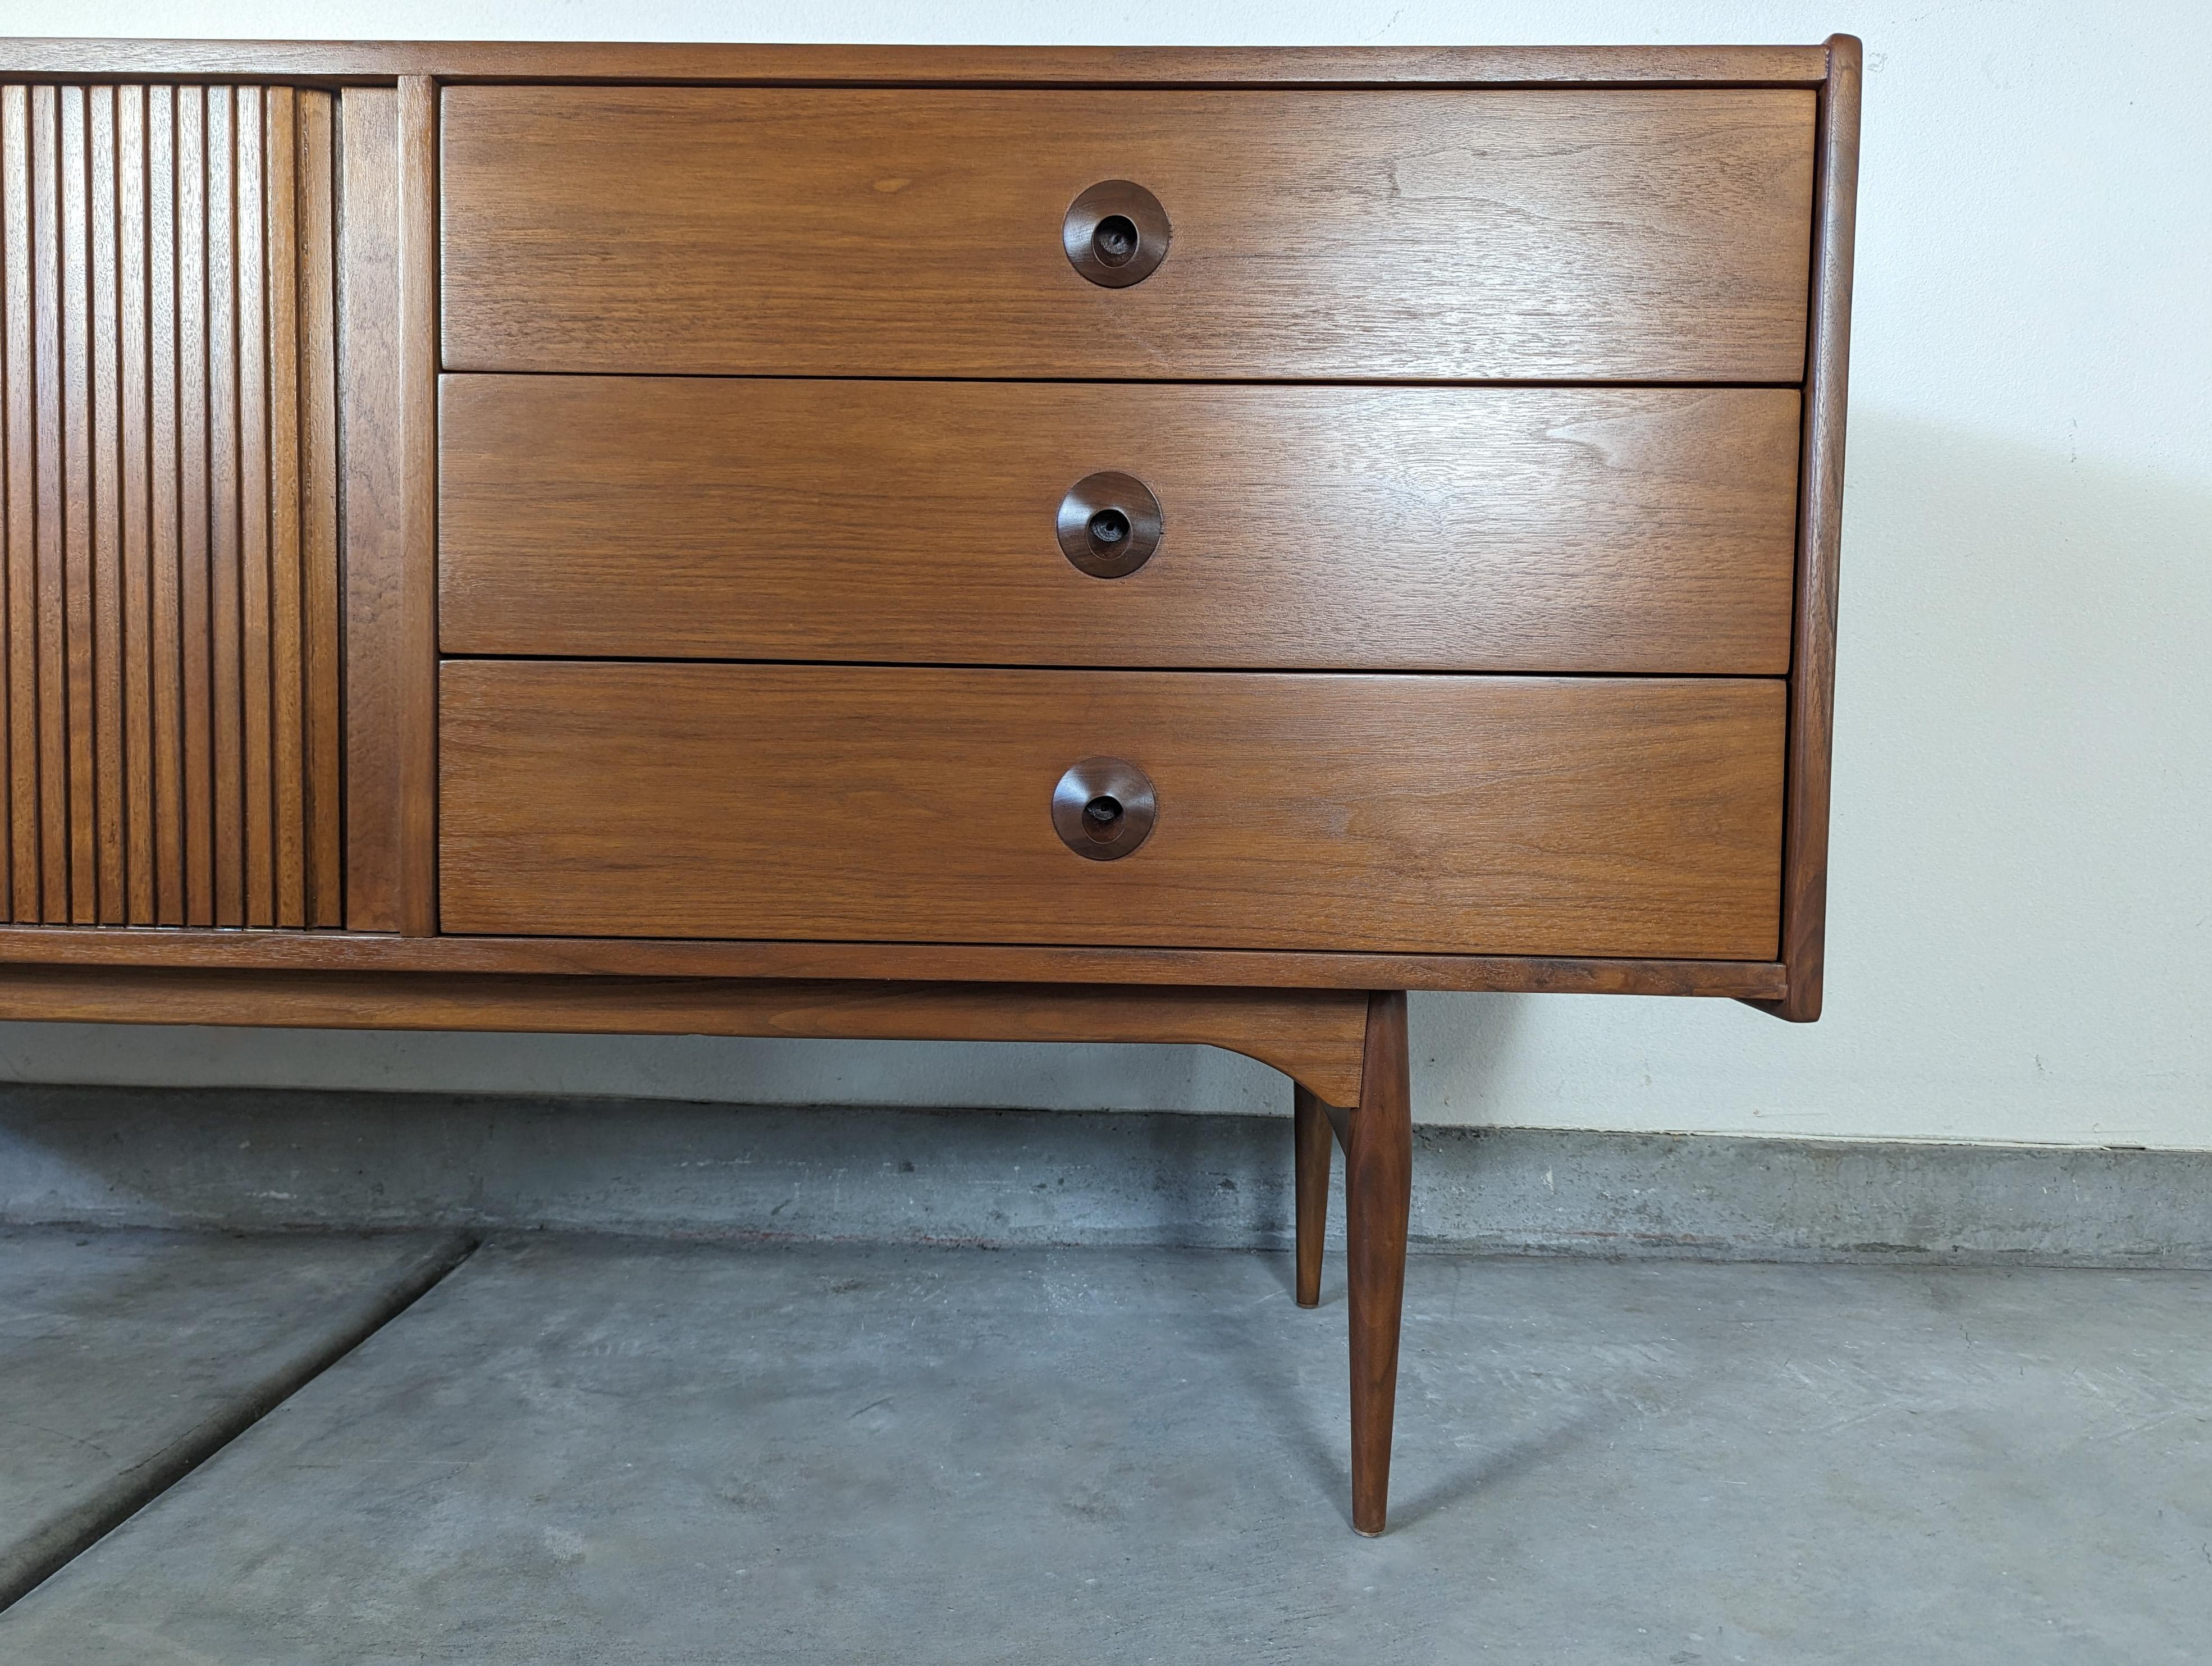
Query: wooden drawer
(1468,528)
(1425,233)
(1612,816)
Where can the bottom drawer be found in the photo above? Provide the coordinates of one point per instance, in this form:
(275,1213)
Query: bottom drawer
(1498,815)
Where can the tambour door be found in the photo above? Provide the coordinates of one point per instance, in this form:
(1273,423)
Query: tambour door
(173,733)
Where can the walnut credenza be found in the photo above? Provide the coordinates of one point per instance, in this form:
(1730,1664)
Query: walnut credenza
(1087,545)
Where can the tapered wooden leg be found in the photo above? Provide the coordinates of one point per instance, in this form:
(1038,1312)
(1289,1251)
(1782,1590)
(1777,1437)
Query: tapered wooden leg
(1313,1139)
(1378,1186)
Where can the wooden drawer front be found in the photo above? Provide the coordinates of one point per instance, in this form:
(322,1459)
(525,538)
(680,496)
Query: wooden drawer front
(1430,234)
(1438,814)
(1497,529)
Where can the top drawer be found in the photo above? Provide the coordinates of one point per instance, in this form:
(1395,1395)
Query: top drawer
(1419,233)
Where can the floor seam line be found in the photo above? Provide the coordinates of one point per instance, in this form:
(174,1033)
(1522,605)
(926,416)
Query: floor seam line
(80,1529)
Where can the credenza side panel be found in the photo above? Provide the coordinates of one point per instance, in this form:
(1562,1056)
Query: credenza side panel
(1821,510)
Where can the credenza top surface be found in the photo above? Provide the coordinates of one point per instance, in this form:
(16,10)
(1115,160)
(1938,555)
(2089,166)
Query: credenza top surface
(832,65)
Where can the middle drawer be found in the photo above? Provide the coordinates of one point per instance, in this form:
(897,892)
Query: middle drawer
(1518,529)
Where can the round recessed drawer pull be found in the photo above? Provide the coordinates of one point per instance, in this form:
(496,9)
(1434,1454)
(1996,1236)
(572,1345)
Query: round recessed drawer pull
(1109,524)
(1115,233)
(1103,808)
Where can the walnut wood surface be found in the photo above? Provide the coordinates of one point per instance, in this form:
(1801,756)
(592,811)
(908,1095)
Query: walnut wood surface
(225,797)
(195,488)
(76,602)
(1401,814)
(321,624)
(536,60)
(388,238)
(967,963)
(1627,235)
(158,767)
(104,522)
(19,412)
(1310,1136)
(1812,679)
(164,337)
(1379,1184)
(1472,528)
(168,373)
(420,254)
(253,465)
(1315,1037)
(133,512)
(376,530)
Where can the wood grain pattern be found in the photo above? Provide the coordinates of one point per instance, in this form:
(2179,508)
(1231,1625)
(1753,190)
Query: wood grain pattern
(1500,529)
(1315,1037)
(1309,1140)
(194,481)
(388,386)
(44,299)
(134,293)
(256,740)
(1394,814)
(158,659)
(106,589)
(226,582)
(422,255)
(19,424)
(961,963)
(1813,676)
(1378,1189)
(375,597)
(862,65)
(322,662)
(1616,235)
(74,690)
(165,344)
(287,714)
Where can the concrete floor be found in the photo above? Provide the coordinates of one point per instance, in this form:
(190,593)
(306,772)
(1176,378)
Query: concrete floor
(127,1357)
(599,1450)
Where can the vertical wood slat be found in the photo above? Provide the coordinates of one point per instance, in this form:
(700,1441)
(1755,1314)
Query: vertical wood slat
(18,422)
(106,591)
(170,621)
(254,494)
(133,457)
(197,641)
(417,667)
(287,738)
(163,336)
(227,701)
(323,736)
(8,142)
(45,298)
(76,508)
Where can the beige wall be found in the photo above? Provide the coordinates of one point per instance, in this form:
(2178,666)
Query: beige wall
(2021,911)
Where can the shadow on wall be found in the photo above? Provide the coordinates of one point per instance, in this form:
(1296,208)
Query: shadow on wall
(2020,882)
(2018,872)
(2021,887)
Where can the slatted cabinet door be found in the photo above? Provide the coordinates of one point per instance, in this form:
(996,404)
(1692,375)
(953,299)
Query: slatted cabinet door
(168,456)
